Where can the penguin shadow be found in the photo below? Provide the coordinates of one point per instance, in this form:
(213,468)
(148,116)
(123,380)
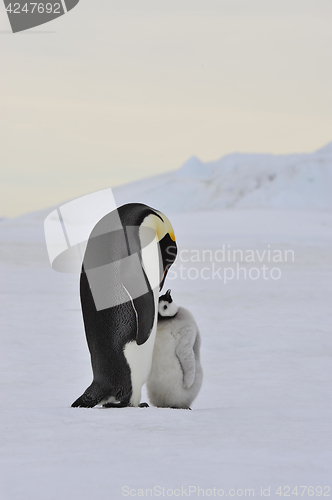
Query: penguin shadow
(176,408)
(141,405)
(114,405)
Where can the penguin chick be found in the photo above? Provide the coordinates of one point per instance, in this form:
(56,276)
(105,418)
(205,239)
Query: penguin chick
(176,374)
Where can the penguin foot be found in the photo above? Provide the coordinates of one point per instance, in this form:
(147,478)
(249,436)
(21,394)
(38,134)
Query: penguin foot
(85,402)
(91,397)
(143,405)
(115,405)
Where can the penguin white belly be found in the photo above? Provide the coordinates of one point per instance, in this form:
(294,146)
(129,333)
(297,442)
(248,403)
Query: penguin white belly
(139,359)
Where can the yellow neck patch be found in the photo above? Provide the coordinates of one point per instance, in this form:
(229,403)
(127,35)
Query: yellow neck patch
(161,227)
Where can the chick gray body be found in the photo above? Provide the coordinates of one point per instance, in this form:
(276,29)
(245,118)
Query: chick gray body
(176,375)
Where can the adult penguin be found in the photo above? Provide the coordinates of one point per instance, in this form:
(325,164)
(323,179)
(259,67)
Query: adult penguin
(125,264)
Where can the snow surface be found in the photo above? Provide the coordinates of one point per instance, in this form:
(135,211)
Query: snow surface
(263,416)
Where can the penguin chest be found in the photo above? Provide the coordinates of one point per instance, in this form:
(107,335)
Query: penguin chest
(166,368)
(139,360)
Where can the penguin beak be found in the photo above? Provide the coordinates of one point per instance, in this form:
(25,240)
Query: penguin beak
(163,279)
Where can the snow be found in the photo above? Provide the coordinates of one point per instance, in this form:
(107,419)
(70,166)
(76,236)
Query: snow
(263,416)
(296,181)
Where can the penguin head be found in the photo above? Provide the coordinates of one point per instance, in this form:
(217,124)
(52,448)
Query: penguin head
(167,307)
(167,246)
(166,240)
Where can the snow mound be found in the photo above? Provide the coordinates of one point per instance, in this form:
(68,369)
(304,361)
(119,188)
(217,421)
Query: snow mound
(297,181)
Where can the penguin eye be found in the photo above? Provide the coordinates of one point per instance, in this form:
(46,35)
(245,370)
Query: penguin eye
(165,307)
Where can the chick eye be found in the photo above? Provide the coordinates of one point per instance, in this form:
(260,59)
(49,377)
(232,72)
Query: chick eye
(165,307)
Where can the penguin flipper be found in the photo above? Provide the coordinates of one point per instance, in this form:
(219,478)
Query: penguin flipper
(91,397)
(145,320)
(134,279)
(185,354)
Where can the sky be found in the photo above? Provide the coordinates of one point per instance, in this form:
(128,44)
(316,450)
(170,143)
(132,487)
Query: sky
(113,91)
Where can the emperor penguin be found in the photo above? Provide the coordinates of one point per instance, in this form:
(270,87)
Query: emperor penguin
(125,264)
(176,375)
